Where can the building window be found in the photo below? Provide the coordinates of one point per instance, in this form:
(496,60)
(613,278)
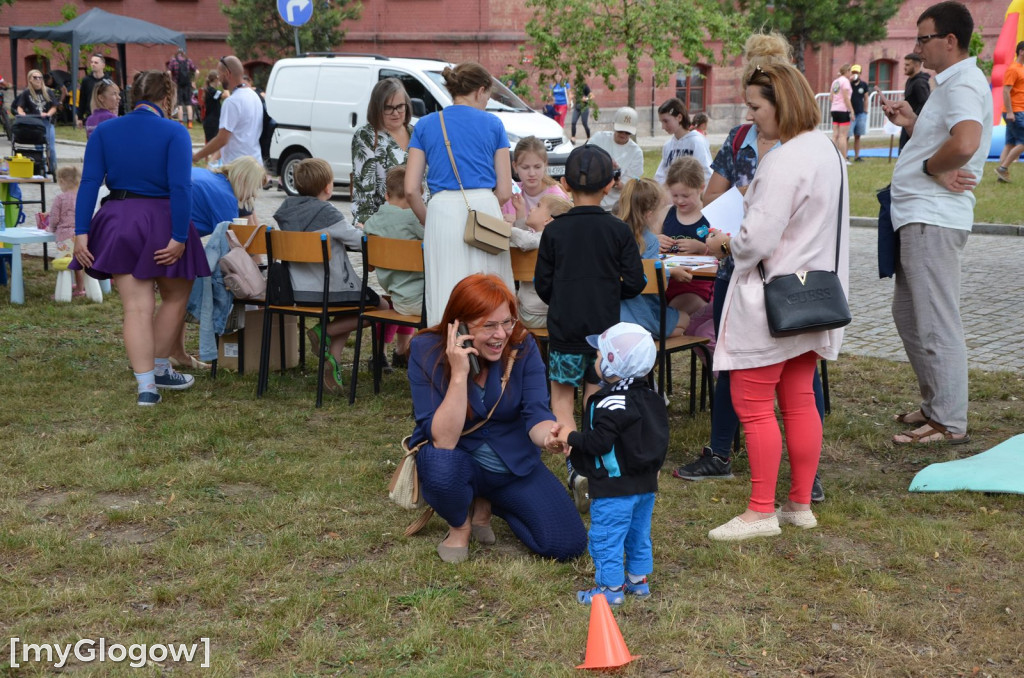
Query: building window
(691,88)
(880,73)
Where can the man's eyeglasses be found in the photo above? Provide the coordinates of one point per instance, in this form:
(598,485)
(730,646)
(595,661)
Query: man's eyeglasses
(491,327)
(923,39)
(400,108)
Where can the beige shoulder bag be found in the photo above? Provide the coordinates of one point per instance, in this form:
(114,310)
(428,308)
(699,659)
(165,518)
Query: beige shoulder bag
(483,231)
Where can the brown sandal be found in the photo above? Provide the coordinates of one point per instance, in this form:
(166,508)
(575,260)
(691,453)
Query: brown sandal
(933,428)
(911,418)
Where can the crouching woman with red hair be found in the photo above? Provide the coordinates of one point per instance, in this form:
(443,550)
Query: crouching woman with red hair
(496,468)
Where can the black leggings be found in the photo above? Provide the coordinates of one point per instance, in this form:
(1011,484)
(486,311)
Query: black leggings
(583,111)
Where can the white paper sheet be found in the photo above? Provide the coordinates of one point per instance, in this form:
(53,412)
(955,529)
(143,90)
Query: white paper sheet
(726,212)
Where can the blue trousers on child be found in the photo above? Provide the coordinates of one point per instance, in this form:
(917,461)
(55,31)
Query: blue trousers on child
(621,525)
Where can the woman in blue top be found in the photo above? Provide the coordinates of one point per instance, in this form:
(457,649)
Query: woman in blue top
(143,232)
(480,148)
(497,467)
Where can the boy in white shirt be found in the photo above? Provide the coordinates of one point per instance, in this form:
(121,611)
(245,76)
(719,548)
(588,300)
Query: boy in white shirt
(627,156)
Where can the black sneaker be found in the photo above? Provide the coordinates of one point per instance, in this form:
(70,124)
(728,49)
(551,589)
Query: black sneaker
(385,367)
(707,466)
(817,491)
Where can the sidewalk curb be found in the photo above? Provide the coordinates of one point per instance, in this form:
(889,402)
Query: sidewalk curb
(980,229)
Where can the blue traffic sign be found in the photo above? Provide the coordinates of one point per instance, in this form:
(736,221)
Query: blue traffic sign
(295,12)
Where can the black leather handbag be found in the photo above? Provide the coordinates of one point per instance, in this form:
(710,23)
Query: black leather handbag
(808,301)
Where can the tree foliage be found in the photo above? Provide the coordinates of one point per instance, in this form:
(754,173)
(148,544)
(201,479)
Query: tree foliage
(810,23)
(582,38)
(257,31)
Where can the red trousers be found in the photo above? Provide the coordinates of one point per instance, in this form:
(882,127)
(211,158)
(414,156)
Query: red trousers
(753,398)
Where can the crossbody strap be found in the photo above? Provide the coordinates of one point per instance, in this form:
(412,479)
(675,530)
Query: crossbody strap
(448,147)
(504,382)
(839,219)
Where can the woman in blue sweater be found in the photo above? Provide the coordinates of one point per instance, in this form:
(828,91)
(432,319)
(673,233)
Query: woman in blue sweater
(143,233)
(465,475)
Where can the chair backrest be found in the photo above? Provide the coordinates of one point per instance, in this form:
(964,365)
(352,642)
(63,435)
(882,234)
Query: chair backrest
(394,254)
(653,270)
(258,244)
(299,246)
(523,264)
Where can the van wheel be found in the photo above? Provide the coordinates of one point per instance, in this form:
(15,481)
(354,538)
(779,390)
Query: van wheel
(288,171)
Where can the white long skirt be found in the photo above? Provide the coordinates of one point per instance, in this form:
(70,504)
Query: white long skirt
(447,259)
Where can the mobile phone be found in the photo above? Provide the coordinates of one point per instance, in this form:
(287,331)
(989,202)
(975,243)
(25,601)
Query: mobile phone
(881,97)
(515,189)
(474,360)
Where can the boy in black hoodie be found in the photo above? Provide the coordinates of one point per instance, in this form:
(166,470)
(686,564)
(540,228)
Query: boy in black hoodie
(587,263)
(620,449)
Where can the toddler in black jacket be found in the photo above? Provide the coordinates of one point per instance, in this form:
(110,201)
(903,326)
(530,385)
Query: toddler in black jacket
(620,449)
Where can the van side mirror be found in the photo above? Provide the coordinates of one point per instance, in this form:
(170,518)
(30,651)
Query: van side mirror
(419,109)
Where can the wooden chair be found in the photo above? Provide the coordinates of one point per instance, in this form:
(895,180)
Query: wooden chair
(396,255)
(523,264)
(307,248)
(654,271)
(257,247)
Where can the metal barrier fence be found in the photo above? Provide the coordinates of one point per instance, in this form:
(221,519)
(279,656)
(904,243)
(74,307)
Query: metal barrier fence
(876,118)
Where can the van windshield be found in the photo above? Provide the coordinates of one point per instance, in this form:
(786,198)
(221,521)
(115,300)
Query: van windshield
(502,98)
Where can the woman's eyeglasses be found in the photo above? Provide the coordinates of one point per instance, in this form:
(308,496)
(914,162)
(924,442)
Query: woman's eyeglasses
(36,77)
(400,108)
(491,327)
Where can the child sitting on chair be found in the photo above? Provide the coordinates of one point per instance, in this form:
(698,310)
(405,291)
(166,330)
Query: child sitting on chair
(311,211)
(620,449)
(60,220)
(533,312)
(395,219)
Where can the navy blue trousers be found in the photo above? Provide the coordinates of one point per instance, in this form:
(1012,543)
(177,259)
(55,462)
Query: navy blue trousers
(536,506)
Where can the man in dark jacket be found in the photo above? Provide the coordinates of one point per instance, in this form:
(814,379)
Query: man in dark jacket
(916,90)
(620,449)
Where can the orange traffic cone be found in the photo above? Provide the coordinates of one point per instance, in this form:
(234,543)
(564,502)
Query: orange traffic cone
(606,649)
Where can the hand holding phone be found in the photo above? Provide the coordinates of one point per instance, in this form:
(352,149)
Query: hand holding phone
(474,360)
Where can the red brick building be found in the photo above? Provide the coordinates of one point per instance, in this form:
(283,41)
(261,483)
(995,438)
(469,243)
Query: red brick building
(490,31)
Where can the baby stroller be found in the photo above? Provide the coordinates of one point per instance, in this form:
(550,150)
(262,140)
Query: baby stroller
(29,138)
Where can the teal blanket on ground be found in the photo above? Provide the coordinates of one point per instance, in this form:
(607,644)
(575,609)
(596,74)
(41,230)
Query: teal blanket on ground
(1000,469)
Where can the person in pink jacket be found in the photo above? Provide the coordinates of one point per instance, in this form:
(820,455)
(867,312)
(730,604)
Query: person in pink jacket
(790,225)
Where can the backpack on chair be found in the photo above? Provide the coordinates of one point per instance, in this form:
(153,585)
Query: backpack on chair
(242,277)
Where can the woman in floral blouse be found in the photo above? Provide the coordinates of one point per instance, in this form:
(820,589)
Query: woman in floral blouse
(379,145)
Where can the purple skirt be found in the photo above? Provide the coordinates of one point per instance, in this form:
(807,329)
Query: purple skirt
(125,234)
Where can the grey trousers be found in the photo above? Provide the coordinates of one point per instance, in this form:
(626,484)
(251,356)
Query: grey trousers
(926,310)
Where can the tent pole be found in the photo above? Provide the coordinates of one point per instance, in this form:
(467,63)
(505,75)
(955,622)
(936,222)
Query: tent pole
(14,64)
(76,58)
(122,52)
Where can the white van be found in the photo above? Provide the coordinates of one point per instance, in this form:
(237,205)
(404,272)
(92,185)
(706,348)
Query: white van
(319,101)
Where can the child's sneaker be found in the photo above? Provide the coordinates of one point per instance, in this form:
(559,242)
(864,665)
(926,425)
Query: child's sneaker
(148,399)
(579,488)
(613,596)
(639,589)
(175,381)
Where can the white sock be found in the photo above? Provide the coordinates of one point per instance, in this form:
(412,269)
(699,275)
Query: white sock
(146,382)
(636,578)
(161,366)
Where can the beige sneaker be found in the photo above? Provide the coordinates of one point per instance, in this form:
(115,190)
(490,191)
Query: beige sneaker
(738,529)
(801,519)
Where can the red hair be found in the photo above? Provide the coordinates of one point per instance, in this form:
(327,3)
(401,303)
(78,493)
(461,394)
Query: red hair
(475,297)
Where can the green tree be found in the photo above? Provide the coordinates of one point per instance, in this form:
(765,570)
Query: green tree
(975,49)
(585,37)
(810,23)
(257,31)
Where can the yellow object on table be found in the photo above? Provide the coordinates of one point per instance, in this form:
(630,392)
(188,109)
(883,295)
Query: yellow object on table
(20,166)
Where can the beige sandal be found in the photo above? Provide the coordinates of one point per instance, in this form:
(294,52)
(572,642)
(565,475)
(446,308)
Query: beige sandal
(933,429)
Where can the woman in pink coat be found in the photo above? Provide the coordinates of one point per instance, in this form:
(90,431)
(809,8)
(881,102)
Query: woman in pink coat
(790,225)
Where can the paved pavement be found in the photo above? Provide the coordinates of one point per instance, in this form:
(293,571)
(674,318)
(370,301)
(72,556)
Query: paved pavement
(992,290)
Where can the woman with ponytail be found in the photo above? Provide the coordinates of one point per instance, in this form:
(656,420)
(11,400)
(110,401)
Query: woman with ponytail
(143,233)
(479,146)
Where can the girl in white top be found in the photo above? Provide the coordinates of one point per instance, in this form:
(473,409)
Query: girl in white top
(683,141)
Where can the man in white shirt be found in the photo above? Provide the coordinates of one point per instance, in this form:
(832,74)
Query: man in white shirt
(933,212)
(627,156)
(241,117)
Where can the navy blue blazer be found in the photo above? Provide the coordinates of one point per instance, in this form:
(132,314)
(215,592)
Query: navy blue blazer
(524,405)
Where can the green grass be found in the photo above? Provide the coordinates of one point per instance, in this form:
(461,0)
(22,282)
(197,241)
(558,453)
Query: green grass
(68,133)
(264,525)
(996,203)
